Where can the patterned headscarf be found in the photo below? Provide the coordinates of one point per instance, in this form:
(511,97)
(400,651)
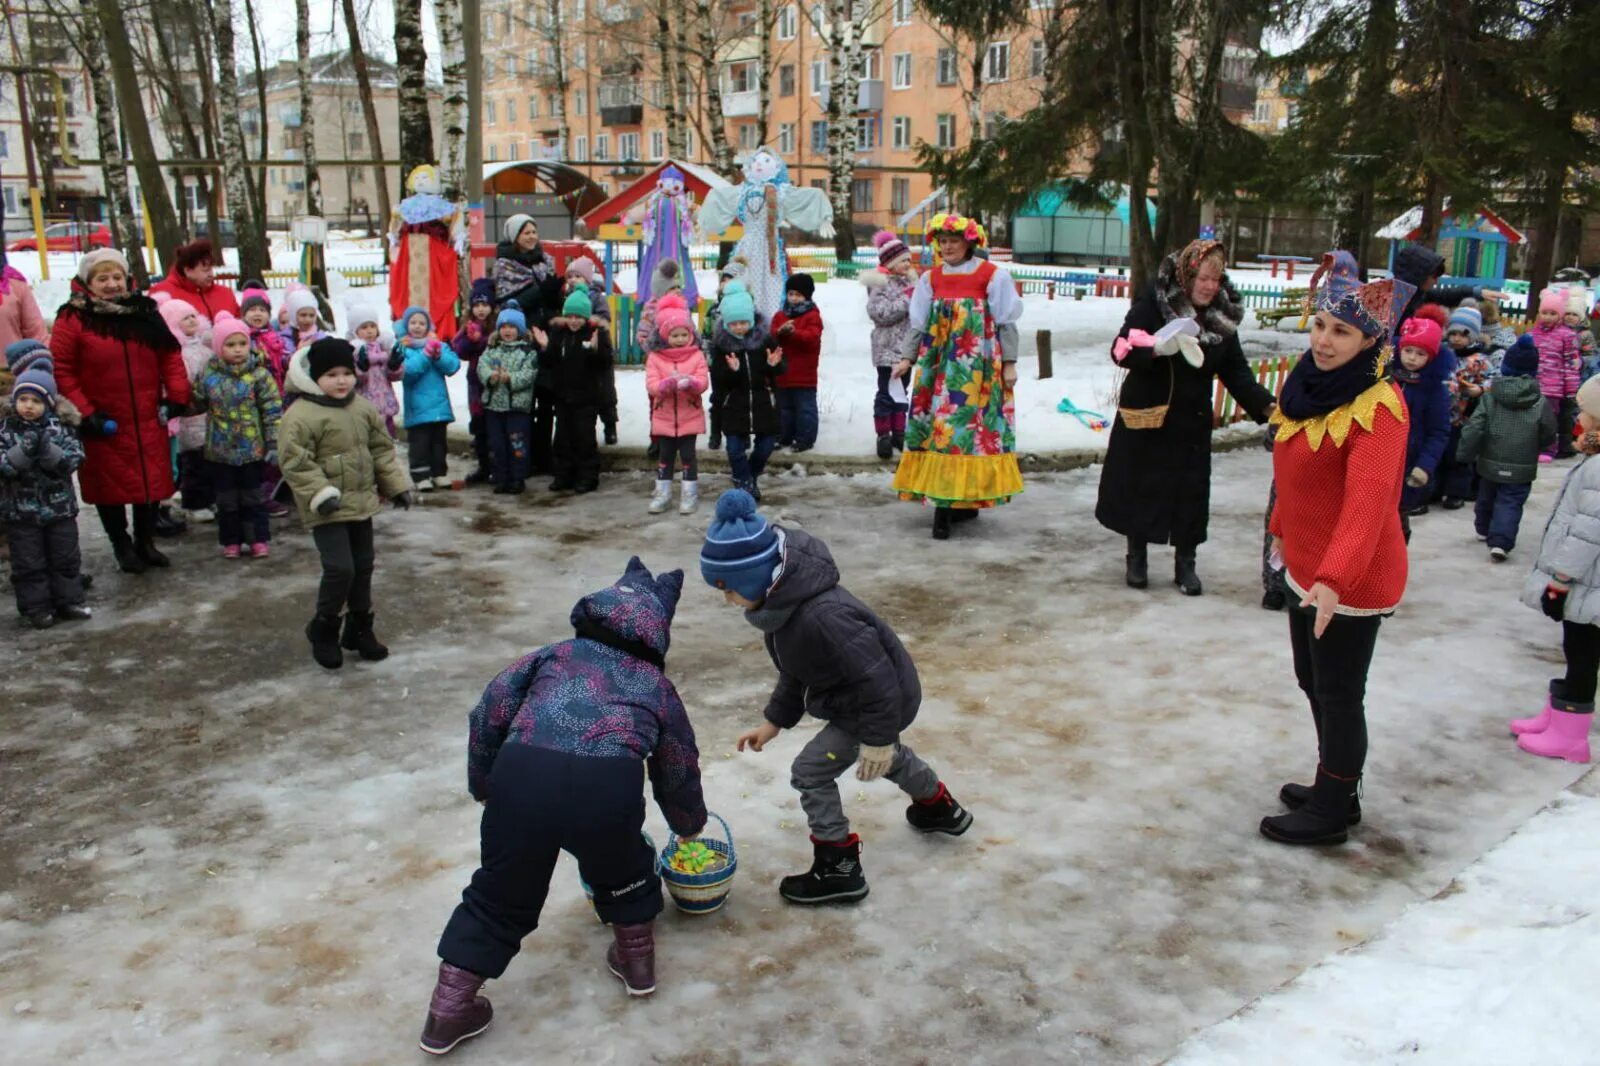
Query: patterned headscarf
(1193,254)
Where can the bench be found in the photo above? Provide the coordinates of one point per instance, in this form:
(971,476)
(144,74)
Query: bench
(1291,304)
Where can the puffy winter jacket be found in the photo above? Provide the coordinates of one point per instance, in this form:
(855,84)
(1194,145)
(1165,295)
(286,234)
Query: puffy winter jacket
(196,357)
(1559,364)
(29,493)
(749,402)
(603,694)
(889,307)
(1508,429)
(123,365)
(328,447)
(836,660)
(372,365)
(469,344)
(1571,546)
(676,412)
(576,366)
(427,394)
(20,318)
(242,408)
(1428,401)
(521,360)
(802,348)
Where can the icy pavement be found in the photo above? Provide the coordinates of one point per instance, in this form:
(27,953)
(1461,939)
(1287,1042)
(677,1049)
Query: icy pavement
(213,851)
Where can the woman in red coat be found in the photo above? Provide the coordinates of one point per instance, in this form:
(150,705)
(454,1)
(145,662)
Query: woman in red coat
(119,363)
(192,280)
(1338,461)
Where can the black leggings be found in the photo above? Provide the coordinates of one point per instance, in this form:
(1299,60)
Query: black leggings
(347,559)
(677,448)
(1332,671)
(114,520)
(1581,643)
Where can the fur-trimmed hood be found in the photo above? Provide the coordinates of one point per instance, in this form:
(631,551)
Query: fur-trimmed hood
(1220,321)
(873,278)
(298,379)
(66,411)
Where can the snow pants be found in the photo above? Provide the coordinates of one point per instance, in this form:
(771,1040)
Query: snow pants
(45,565)
(425,444)
(241,511)
(1332,672)
(540,804)
(509,434)
(747,460)
(820,764)
(575,455)
(1498,512)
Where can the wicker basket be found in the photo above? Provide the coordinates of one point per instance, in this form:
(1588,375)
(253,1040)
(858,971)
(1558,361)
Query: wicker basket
(1151,417)
(700,893)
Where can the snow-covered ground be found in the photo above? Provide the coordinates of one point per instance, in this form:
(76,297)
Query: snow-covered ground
(215,851)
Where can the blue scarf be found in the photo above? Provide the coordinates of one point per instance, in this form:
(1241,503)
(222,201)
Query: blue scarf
(794,311)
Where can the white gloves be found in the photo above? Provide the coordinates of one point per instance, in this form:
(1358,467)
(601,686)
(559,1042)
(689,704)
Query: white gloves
(826,230)
(1170,337)
(1417,478)
(874,762)
(1190,349)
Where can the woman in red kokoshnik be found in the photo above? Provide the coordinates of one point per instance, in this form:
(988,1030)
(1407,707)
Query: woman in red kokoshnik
(1338,462)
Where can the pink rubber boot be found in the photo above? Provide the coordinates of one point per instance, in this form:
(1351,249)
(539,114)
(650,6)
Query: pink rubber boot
(1537,724)
(1567,736)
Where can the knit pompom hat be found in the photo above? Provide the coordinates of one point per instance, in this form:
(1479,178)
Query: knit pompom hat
(582,266)
(667,277)
(224,327)
(36,374)
(1420,333)
(100,257)
(360,314)
(173,312)
(297,301)
(17,349)
(673,313)
(511,315)
(1521,359)
(327,354)
(578,304)
(741,549)
(737,304)
(1467,320)
(482,292)
(402,328)
(804,284)
(1553,300)
(254,294)
(891,249)
(1577,302)
(736,267)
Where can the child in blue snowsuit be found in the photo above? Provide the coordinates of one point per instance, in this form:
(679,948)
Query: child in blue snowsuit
(427,362)
(1423,377)
(557,754)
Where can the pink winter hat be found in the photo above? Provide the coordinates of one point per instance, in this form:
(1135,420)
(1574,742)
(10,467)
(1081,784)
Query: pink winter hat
(174,311)
(891,248)
(581,265)
(1421,333)
(224,327)
(1553,300)
(672,313)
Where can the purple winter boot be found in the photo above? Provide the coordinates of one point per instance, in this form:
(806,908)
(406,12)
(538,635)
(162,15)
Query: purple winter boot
(632,957)
(456,1012)
(1567,736)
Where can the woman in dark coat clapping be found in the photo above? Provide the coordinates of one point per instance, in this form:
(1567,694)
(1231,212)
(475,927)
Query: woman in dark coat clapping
(1155,487)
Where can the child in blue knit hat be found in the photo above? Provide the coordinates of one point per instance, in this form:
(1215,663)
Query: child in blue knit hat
(39,450)
(507,370)
(842,663)
(427,362)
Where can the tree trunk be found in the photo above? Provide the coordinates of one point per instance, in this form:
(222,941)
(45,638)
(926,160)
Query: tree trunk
(764,19)
(411,59)
(558,57)
(453,65)
(369,110)
(1546,232)
(125,232)
(844,82)
(1372,83)
(136,124)
(248,227)
(308,118)
(680,70)
(669,94)
(201,33)
(711,72)
(260,176)
(1432,207)
(1124,17)
(186,127)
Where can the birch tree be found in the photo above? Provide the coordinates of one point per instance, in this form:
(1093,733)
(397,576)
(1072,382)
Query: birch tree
(846,23)
(671,86)
(260,176)
(136,125)
(124,231)
(248,227)
(453,166)
(369,110)
(308,118)
(707,23)
(411,62)
(765,15)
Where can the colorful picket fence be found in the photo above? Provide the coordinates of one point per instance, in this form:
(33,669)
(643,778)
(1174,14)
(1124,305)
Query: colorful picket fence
(625,313)
(1270,373)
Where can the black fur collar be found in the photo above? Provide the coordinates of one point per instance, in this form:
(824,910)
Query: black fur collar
(1220,320)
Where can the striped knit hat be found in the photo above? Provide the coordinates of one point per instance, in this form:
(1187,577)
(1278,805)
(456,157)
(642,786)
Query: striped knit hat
(741,549)
(1466,319)
(890,248)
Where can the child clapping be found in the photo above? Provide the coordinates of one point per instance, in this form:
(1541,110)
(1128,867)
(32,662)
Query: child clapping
(242,408)
(507,369)
(676,378)
(426,362)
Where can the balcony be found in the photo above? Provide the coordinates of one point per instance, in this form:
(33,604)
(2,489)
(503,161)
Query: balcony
(741,105)
(621,114)
(544,153)
(1237,96)
(869,95)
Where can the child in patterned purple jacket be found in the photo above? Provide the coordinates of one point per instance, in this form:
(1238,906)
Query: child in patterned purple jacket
(557,754)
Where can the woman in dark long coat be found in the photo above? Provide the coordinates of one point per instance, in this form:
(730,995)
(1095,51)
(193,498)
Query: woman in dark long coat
(1155,487)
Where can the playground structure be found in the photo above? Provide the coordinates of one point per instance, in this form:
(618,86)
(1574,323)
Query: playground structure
(1476,247)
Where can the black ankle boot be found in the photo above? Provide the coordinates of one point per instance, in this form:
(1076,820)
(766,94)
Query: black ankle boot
(835,875)
(128,560)
(1295,796)
(1325,818)
(885,446)
(150,555)
(358,637)
(1138,575)
(941,523)
(323,633)
(1183,573)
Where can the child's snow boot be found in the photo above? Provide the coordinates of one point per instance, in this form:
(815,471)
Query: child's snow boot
(1138,559)
(898,440)
(323,633)
(835,875)
(689,497)
(885,446)
(941,523)
(1541,721)
(1183,573)
(1567,735)
(358,637)
(456,1012)
(1295,796)
(1324,819)
(939,814)
(662,498)
(631,958)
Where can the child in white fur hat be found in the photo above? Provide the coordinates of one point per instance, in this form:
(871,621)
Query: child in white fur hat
(374,341)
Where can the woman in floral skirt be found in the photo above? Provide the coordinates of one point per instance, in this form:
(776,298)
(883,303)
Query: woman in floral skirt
(960,450)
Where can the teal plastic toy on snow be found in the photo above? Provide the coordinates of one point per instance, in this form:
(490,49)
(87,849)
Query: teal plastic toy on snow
(1093,419)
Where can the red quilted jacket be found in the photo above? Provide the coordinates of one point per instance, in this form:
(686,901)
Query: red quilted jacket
(802,349)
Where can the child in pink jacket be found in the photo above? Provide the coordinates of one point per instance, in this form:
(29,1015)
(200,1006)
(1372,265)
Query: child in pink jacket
(1560,368)
(675,376)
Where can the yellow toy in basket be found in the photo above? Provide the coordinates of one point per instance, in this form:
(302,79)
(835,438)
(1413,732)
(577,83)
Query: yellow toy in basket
(693,857)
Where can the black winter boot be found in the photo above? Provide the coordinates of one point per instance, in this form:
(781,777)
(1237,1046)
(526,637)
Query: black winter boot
(941,523)
(359,639)
(128,560)
(885,446)
(1183,574)
(941,814)
(1138,574)
(835,875)
(1324,819)
(1273,600)
(144,537)
(456,1012)
(323,633)
(1295,796)
(150,555)
(898,440)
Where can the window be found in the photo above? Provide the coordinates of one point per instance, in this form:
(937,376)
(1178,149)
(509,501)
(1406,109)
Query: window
(658,144)
(358,175)
(947,66)
(533,107)
(1036,59)
(580,56)
(352,107)
(357,142)
(947,131)
(819,76)
(580,102)
(742,78)
(992,121)
(602,146)
(817,19)
(554,108)
(1263,111)
(819,137)
(871,68)
(494,153)
(628,146)
(902,132)
(902,12)
(688,143)
(869,132)
(861,195)
(788,22)
(580,148)
(5,148)
(488,112)
(747,136)
(785,138)
(488,68)
(511,111)
(786,80)
(579,10)
(997,62)
(902,70)
(513,151)
(900,195)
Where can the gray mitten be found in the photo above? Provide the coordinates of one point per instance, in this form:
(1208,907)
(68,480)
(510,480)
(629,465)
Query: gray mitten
(329,505)
(17,455)
(52,460)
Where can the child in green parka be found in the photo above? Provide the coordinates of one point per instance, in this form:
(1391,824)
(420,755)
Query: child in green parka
(507,370)
(1508,429)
